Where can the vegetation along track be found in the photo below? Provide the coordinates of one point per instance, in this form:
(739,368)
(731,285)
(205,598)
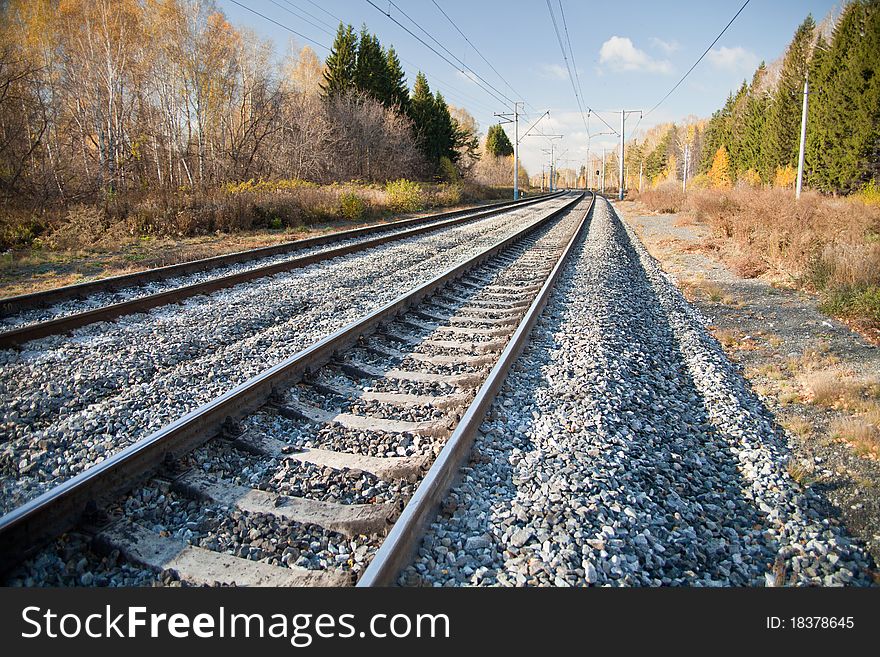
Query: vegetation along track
(318,454)
(32,316)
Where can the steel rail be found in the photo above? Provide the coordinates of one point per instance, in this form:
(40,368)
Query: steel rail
(403,540)
(21,302)
(26,528)
(66,323)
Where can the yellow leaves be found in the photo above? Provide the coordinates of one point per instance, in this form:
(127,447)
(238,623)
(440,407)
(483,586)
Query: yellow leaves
(751,177)
(785,177)
(719,173)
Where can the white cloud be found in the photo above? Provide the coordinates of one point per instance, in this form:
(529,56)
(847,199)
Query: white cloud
(666,46)
(735,59)
(553,72)
(619,54)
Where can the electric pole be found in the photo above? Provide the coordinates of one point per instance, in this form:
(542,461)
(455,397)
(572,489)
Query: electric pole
(622,191)
(640,176)
(515,151)
(684,178)
(603,169)
(800,173)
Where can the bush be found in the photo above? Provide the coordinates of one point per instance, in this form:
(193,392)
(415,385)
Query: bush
(352,206)
(666,198)
(404,196)
(448,170)
(785,177)
(869,194)
(447,195)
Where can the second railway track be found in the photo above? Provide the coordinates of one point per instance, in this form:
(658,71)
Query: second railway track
(33,316)
(296,476)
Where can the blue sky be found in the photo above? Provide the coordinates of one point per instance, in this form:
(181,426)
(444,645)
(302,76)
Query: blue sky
(628,54)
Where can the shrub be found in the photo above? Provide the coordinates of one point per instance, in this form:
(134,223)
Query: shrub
(751,178)
(448,170)
(869,194)
(447,195)
(352,206)
(404,195)
(666,198)
(785,177)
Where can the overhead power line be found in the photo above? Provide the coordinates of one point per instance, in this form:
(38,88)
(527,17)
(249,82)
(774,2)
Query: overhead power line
(310,15)
(450,90)
(488,88)
(577,96)
(281,25)
(293,13)
(476,50)
(700,59)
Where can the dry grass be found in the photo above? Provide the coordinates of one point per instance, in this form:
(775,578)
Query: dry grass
(821,243)
(797,426)
(82,242)
(863,436)
(802,473)
(229,208)
(701,288)
(665,199)
(726,338)
(833,388)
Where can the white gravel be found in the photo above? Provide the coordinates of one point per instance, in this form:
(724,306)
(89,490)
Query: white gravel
(625,449)
(71,401)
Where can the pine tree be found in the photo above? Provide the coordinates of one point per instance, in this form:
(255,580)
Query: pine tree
(658,159)
(341,64)
(446,135)
(422,115)
(845,113)
(371,68)
(784,116)
(396,92)
(737,120)
(751,130)
(497,142)
(817,165)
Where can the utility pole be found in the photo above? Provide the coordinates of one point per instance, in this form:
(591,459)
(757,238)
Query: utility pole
(514,119)
(687,159)
(515,151)
(603,169)
(622,191)
(640,176)
(800,173)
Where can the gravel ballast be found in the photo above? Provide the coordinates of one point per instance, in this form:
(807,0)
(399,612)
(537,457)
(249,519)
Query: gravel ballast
(72,401)
(625,449)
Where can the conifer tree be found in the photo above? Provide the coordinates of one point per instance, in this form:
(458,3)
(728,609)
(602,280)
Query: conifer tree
(371,68)
(845,147)
(753,122)
(396,92)
(784,116)
(497,142)
(341,64)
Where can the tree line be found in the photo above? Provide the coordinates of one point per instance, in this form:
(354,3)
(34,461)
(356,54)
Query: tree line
(105,98)
(359,65)
(756,135)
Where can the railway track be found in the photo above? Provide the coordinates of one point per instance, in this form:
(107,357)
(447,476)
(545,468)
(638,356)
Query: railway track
(41,314)
(324,448)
